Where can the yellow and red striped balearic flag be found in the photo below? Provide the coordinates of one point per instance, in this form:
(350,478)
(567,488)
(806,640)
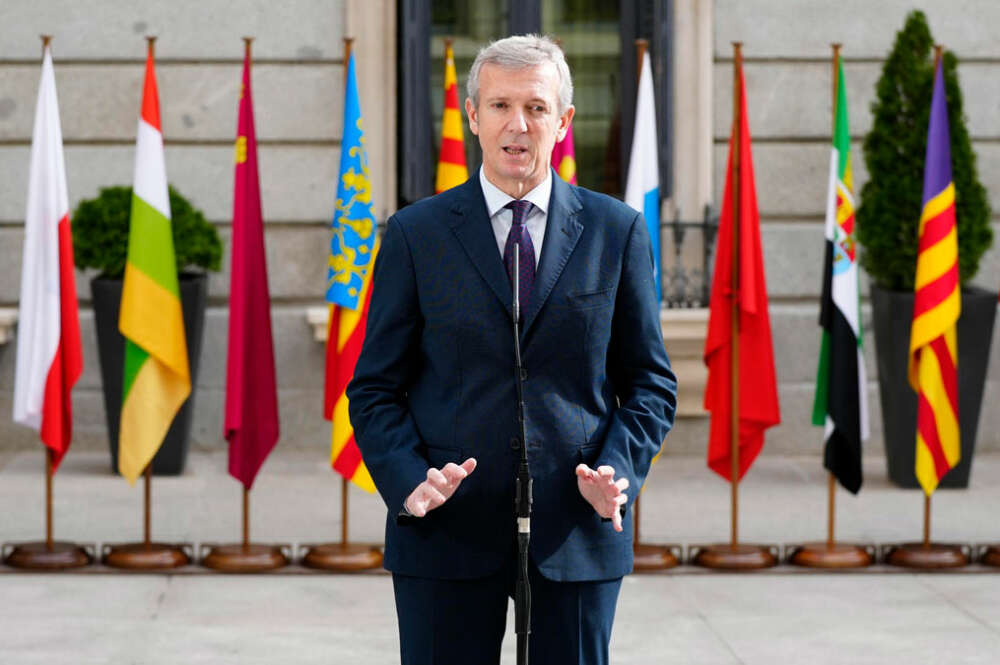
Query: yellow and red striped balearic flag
(451,169)
(933,367)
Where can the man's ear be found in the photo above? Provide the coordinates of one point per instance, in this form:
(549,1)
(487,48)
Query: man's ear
(564,121)
(470,110)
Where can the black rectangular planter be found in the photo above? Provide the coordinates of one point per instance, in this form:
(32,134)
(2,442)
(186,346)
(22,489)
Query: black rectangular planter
(893,315)
(107,295)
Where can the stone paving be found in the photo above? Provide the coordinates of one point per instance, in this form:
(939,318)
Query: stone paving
(685,616)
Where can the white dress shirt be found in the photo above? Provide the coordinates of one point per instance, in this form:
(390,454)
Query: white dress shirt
(502,218)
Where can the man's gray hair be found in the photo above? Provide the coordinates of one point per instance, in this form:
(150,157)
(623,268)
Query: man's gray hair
(518,52)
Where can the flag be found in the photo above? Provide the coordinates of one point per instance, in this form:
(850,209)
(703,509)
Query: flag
(251,392)
(642,186)
(451,168)
(840,403)
(49,357)
(352,253)
(936,305)
(758,387)
(564,157)
(345,335)
(157,379)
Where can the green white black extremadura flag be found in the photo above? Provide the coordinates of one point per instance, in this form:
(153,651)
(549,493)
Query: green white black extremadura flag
(840,404)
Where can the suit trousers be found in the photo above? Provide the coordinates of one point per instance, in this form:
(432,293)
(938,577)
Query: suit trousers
(462,622)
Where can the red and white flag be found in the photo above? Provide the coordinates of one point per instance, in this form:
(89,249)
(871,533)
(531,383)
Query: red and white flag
(49,358)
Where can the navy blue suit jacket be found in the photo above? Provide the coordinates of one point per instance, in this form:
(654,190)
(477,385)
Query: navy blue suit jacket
(435,381)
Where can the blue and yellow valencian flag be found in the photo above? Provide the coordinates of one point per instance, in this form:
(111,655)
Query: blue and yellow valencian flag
(933,366)
(353,242)
(348,285)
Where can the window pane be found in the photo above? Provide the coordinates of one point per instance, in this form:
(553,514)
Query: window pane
(588,31)
(471,25)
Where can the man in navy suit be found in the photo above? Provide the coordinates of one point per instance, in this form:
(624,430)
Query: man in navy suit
(433,399)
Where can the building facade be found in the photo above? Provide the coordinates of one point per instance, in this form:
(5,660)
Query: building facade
(298,78)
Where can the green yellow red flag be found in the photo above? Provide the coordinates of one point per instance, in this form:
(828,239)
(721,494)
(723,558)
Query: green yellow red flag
(157,378)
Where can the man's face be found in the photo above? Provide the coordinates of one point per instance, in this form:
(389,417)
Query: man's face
(518,123)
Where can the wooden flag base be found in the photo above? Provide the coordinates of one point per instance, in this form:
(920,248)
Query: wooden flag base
(655,557)
(344,557)
(928,555)
(146,556)
(42,556)
(990,555)
(239,558)
(734,557)
(833,555)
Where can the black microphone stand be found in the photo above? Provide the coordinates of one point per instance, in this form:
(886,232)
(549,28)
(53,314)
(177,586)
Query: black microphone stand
(522,500)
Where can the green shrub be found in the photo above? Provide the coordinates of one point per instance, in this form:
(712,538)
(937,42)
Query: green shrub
(888,219)
(100,233)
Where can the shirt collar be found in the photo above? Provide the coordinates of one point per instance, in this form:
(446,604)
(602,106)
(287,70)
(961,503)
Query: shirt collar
(496,198)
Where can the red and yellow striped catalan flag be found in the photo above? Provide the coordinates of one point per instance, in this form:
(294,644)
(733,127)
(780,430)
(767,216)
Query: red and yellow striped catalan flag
(451,169)
(343,346)
(933,367)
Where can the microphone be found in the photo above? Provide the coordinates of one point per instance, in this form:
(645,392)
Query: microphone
(522,499)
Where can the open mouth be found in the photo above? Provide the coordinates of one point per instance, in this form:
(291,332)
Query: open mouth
(515,150)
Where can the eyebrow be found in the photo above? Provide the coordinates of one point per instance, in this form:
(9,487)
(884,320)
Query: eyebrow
(503,98)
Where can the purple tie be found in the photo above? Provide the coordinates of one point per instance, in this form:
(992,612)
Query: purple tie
(526,256)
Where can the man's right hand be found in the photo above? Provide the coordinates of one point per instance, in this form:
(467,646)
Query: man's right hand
(438,488)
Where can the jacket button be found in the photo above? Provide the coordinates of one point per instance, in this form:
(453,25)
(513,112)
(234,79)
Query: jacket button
(515,443)
(524,374)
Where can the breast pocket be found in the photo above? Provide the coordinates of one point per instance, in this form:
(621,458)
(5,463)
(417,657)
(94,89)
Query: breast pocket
(591,299)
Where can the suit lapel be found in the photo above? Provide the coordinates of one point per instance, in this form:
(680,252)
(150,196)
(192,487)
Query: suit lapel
(470,223)
(562,232)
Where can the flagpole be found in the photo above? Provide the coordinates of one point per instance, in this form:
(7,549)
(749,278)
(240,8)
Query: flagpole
(735,556)
(48,498)
(344,500)
(342,556)
(646,557)
(831,480)
(145,555)
(734,339)
(244,557)
(926,554)
(343,511)
(640,51)
(147,482)
(832,554)
(927,497)
(48,554)
(246,518)
(247,41)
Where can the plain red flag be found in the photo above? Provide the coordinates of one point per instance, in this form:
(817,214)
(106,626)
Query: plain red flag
(251,390)
(758,387)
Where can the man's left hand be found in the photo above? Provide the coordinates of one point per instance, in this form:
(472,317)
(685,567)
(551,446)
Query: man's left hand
(603,492)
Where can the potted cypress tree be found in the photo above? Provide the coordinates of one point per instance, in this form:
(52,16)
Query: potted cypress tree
(100,241)
(888,225)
